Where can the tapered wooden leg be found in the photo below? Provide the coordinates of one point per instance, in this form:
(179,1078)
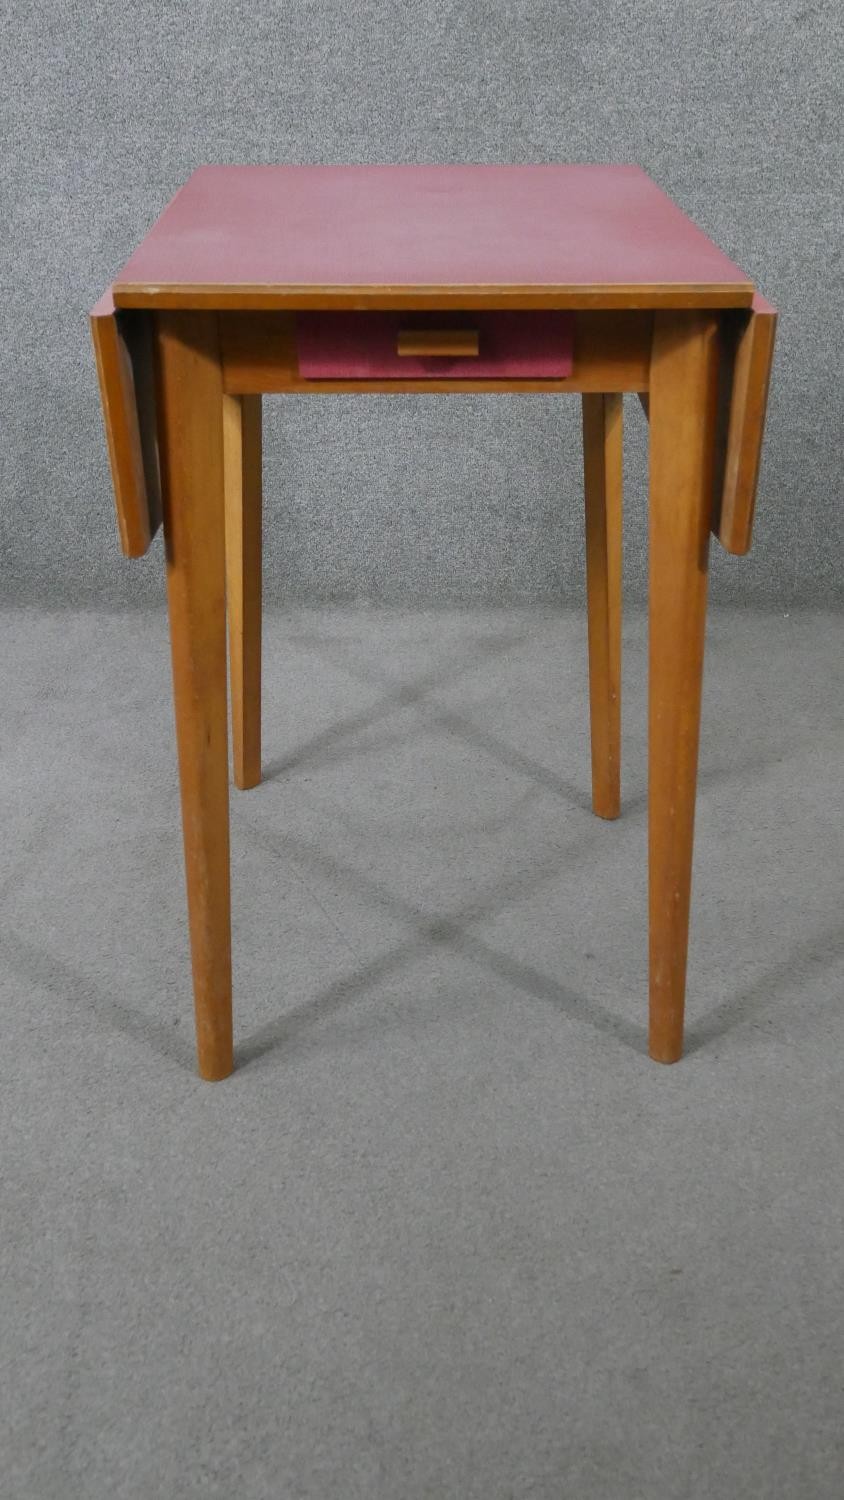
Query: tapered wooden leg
(602,444)
(242,457)
(190,400)
(683,395)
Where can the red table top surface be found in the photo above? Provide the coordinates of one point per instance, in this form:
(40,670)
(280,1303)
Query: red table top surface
(324,228)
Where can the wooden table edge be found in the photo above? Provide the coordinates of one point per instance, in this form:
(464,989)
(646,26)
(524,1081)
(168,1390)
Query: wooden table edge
(598,297)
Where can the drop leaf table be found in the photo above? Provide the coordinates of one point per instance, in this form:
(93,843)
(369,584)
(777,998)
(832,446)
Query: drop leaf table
(262,280)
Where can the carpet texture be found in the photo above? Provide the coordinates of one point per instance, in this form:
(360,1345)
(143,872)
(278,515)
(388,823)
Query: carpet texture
(446,1232)
(735,109)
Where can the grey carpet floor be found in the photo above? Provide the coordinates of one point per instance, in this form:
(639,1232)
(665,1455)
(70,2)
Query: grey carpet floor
(446,1232)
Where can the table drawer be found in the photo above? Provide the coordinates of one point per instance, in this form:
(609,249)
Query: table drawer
(436,346)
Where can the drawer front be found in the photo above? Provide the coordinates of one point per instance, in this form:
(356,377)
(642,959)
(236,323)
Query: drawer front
(475,346)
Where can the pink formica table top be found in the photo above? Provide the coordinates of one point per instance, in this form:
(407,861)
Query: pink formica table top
(358,236)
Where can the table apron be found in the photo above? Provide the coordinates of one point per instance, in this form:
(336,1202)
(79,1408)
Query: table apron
(257,354)
(258,350)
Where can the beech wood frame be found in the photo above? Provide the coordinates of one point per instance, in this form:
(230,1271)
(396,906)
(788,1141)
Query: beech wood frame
(185,444)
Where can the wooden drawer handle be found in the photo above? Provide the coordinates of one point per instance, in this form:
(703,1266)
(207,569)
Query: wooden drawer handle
(449,341)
